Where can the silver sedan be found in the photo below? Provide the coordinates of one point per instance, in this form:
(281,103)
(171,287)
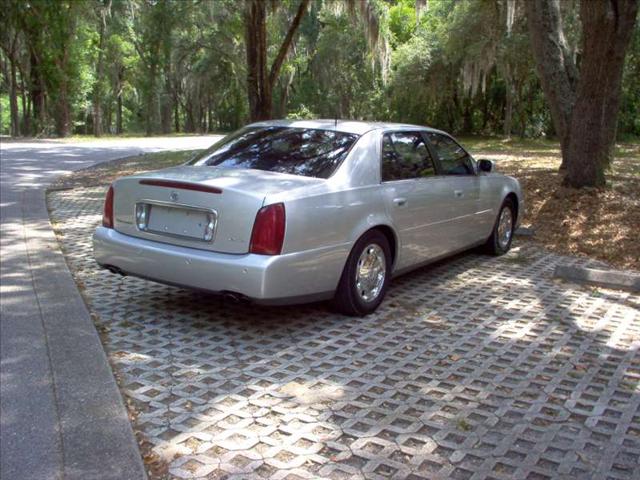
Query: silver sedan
(288,212)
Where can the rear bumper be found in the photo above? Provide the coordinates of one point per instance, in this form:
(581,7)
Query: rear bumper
(279,279)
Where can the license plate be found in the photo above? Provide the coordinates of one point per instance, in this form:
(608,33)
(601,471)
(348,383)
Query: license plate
(176,221)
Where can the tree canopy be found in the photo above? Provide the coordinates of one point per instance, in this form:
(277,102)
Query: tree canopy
(161,66)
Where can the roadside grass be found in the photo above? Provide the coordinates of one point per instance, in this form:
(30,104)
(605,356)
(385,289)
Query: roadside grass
(603,224)
(107,172)
(82,138)
(112,137)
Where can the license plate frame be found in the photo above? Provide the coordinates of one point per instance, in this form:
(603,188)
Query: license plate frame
(201,227)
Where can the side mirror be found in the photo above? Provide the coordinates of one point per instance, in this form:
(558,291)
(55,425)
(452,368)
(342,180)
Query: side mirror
(485,165)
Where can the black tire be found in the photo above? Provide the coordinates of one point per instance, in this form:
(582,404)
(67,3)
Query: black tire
(347,300)
(495,244)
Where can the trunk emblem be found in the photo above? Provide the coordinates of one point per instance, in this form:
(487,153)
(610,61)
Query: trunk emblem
(173,196)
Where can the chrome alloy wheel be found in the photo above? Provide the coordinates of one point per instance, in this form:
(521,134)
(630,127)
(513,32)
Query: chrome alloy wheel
(371,271)
(505,228)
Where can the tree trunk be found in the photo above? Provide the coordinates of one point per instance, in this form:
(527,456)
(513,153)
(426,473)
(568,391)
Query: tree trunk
(508,110)
(209,117)
(26,109)
(607,29)
(62,115)
(13,99)
(88,118)
(166,109)
(119,114)
(108,117)
(286,87)
(189,124)
(37,93)
(554,63)
(176,115)
(260,84)
(485,112)
(256,49)
(150,107)
(118,91)
(467,126)
(97,92)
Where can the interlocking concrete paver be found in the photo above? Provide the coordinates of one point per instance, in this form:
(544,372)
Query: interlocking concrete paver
(476,368)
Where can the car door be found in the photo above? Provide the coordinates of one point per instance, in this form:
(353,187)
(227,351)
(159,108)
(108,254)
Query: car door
(459,170)
(416,197)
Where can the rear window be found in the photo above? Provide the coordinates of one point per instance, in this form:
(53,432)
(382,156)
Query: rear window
(297,151)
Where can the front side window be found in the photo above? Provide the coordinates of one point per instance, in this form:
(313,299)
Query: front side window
(297,151)
(453,158)
(405,155)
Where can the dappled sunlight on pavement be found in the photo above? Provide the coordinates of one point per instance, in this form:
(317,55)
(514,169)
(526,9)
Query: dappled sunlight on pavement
(52,362)
(474,368)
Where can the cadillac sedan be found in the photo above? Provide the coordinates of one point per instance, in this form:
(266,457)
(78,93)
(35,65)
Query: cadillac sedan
(286,212)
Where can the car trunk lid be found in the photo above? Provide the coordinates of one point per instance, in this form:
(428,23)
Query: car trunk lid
(199,207)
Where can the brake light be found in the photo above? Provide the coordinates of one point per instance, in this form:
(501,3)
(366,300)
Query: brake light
(181,185)
(267,236)
(107,214)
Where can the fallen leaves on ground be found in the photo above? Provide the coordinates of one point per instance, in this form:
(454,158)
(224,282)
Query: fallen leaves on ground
(600,223)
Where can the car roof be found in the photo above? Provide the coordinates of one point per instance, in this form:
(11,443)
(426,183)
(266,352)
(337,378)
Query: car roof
(346,126)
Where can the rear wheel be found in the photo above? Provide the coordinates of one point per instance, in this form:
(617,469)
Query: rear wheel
(365,276)
(501,237)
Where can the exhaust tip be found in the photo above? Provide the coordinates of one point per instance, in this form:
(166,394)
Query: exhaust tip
(235,297)
(114,269)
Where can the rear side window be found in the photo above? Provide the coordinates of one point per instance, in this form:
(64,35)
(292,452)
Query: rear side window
(453,158)
(405,155)
(298,151)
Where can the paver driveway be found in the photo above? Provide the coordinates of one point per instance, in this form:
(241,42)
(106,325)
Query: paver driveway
(476,368)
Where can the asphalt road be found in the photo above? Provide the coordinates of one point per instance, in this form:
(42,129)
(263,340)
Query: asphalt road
(61,413)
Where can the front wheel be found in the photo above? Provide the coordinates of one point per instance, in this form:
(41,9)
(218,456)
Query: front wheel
(501,237)
(364,280)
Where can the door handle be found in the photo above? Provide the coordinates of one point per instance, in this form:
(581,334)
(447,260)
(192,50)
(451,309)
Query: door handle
(458,193)
(400,202)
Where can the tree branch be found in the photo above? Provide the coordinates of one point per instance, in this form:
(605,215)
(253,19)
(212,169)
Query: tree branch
(286,44)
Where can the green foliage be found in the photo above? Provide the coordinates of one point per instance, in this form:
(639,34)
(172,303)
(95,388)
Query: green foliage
(302,113)
(180,65)
(402,22)
(337,82)
(5,120)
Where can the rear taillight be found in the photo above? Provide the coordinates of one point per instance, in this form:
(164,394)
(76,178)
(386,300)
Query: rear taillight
(107,214)
(268,230)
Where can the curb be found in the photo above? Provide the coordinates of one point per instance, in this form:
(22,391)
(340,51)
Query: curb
(615,279)
(525,232)
(97,435)
(63,416)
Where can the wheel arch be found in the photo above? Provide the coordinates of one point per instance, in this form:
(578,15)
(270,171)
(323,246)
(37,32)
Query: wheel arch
(516,205)
(389,233)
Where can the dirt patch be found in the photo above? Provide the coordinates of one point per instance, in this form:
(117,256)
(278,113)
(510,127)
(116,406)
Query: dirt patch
(598,223)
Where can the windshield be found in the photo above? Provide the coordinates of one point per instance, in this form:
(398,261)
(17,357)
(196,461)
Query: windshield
(298,151)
